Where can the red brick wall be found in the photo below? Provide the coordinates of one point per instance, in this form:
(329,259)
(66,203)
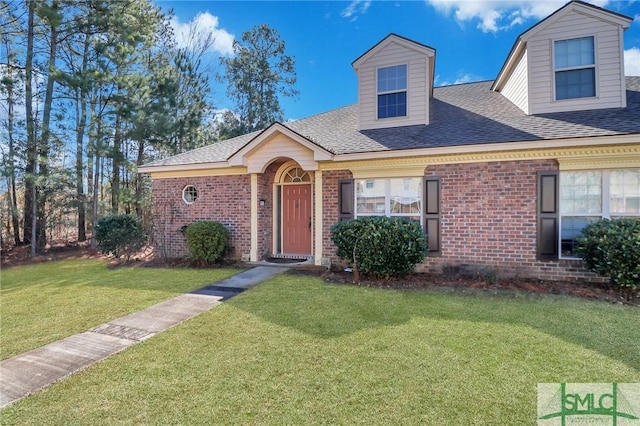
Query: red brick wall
(330,209)
(225,199)
(488,217)
(488,220)
(265,213)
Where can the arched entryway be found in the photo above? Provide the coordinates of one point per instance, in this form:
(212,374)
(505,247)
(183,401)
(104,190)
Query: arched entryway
(294,210)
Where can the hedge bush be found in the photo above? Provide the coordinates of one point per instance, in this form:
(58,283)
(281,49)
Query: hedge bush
(380,246)
(612,248)
(120,234)
(207,241)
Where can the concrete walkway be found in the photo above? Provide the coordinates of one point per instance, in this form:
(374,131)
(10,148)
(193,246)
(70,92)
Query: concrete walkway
(32,371)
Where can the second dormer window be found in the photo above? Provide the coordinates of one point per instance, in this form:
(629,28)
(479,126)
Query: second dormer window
(575,68)
(392,91)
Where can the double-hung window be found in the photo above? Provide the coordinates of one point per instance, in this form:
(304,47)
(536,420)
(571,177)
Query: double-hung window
(392,91)
(588,196)
(575,68)
(389,197)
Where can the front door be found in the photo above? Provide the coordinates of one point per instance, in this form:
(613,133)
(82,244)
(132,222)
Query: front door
(296,219)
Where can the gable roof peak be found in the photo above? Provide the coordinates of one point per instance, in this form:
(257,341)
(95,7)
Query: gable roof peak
(394,38)
(578,6)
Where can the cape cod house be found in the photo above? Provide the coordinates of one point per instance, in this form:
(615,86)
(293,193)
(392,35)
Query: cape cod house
(502,173)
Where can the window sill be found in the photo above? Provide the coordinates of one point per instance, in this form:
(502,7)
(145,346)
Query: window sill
(588,98)
(398,118)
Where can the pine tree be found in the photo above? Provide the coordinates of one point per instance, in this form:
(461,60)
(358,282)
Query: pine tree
(257,74)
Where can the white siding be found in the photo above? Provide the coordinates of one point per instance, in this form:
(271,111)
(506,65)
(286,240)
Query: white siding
(418,80)
(280,147)
(609,65)
(516,88)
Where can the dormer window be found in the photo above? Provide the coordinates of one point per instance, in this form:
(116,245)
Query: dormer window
(392,91)
(575,68)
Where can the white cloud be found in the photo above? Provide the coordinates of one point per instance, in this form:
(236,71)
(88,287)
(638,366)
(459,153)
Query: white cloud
(632,61)
(465,78)
(496,15)
(355,8)
(462,77)
(202,26)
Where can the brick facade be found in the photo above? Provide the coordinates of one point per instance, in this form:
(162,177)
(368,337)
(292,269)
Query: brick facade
(330,214)
(488,217)
(225,199)
(488,220)
(265,213)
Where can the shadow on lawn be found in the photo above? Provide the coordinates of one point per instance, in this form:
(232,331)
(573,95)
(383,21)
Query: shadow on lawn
(97,273)
(329,310)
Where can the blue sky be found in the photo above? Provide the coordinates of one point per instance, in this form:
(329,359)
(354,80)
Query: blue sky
(472,37)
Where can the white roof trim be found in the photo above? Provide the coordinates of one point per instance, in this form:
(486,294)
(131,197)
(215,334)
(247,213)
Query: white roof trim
(578,7)
(546,144)
(178,167)
(393,38)
(239,158)
(542,144)
(510,64)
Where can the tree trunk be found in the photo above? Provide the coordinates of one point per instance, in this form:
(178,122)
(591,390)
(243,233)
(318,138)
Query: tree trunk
(11,178)
(139,162)
(15,219)
(94,212)
(80,129)
(32,147)
(115,182)
(44,139)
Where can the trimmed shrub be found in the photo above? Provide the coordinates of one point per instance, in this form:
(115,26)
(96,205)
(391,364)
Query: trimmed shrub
(207,241)
(120,234)
(612,248)
(380,246)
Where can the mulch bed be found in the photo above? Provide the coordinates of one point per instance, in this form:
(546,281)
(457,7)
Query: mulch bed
(455,282)
(470,284)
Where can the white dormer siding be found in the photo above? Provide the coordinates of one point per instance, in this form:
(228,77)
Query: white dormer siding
(528,78)
(516,89)
(390,52)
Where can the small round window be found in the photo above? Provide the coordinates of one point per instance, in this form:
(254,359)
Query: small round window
(189,194)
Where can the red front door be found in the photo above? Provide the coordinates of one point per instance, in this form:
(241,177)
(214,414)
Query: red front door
(296,219)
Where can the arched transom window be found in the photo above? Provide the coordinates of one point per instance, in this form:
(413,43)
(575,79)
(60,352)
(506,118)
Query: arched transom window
(296,175)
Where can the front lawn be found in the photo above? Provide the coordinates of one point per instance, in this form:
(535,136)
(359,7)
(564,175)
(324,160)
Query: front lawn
(45,302)
(296,350)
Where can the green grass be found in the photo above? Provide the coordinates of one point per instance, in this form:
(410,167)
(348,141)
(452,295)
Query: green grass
(46,302)
(296,350)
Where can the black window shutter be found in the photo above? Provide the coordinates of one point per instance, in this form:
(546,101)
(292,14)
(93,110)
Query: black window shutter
(548,208)
(432,213)
(345,199)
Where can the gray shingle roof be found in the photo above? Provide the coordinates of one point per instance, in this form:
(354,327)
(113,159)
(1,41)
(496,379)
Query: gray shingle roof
(465,114)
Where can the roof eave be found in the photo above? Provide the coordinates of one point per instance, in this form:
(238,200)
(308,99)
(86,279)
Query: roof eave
(516,51)
(179,167)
